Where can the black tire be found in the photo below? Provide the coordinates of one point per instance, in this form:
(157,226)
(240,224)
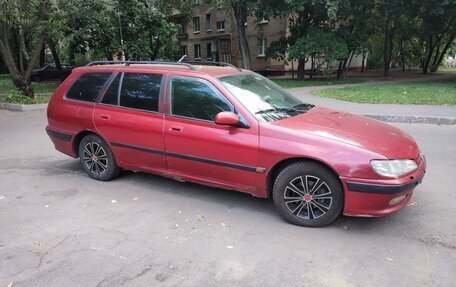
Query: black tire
(36,79)
(97,159)
(316,205)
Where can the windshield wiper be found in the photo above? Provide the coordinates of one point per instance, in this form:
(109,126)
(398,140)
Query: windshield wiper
(275,110)
(304,105)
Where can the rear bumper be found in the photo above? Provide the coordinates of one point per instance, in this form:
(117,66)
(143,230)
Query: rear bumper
(62,141)
(380,197)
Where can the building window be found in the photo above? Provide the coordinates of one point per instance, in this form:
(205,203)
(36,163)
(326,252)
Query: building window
(208,22)
(209,51)
(220,25)
(261,47)
(182,29)
(197,51)
(183,50)
(196,24)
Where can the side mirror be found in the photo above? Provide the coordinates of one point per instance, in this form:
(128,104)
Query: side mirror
(227,119)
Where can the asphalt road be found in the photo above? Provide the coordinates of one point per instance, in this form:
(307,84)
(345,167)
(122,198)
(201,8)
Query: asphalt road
(58,227)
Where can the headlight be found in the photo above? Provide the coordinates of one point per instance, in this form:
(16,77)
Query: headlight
(393,168)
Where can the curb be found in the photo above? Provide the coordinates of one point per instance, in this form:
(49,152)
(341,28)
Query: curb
(22,108)
(383,118)
(414,119)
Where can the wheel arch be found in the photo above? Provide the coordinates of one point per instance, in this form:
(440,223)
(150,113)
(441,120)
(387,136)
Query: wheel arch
(275,170)
(78,138)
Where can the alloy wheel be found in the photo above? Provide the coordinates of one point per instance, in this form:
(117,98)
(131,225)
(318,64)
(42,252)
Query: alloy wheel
(95,158)
(308,197)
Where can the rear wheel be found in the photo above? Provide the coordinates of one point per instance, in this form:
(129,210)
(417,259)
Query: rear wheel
(97,159)
(308,194)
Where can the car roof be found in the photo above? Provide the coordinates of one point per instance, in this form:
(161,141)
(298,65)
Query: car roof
(213,71)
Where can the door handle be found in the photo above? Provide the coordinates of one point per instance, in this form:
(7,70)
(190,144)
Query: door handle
(175,129)
(105,117)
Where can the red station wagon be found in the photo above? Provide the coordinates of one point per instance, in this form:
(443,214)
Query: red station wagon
(232,128)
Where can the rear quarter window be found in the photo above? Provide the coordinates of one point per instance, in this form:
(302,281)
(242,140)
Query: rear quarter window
(87,87)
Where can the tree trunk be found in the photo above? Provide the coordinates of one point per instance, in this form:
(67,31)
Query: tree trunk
(240,15)
(388,45)
(42,57)
(55,55)
(312,67)
(440,57)
(21,79)
(402,55)
(339,70)
(363,62)
(429,53)
(386,62)
(301,69)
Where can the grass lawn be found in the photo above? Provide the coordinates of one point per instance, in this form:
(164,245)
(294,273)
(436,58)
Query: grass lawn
(418,93)
(447,69)
(43,91)
(289,83)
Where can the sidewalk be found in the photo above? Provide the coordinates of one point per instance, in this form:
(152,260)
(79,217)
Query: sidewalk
(426,114)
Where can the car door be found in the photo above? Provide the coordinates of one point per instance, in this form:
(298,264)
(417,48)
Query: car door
(198,148)
(129,118)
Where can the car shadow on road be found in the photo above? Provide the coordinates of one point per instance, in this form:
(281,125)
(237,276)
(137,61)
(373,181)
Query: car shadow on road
(151,186)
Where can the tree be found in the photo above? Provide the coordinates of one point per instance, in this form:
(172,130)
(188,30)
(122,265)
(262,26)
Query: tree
(22,36)
(438,31)
(350,20)
(99,29)
(240,10)
(320,47)
(303,15)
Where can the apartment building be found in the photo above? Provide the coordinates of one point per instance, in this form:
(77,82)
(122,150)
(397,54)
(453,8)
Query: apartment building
(210,35)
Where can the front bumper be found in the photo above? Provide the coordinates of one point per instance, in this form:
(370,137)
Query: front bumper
(380,197)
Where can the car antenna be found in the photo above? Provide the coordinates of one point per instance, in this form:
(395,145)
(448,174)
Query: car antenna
(182,58)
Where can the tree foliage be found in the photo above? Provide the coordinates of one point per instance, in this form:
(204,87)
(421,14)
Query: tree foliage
(22,37)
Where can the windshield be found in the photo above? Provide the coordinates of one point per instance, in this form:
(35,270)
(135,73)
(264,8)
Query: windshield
(264,99)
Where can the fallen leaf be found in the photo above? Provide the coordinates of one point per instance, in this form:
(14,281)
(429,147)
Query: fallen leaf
(345,227)
(389,259)
(175,226)
(199,217)
(226,225)
(412,203)
(113,201)
(230,247)
(10,284)
(2,197)
(167,237)
(135,198)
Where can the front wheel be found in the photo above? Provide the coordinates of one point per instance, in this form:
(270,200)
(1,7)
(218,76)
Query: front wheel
(97,159)
(308,194)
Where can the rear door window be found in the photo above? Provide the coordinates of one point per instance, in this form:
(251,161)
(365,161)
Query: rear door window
(140,91)
(88,86)
(196,98)
(111,97)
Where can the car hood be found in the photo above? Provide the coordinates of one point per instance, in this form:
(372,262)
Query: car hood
(360,131)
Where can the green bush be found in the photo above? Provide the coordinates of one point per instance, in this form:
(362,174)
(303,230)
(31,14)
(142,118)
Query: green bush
(16,97)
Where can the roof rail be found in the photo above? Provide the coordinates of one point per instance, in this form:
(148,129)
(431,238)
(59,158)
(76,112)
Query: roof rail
(210,63)
(128,63)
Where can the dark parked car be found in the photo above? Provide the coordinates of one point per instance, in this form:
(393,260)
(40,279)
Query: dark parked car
(234,129)
(49,72)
